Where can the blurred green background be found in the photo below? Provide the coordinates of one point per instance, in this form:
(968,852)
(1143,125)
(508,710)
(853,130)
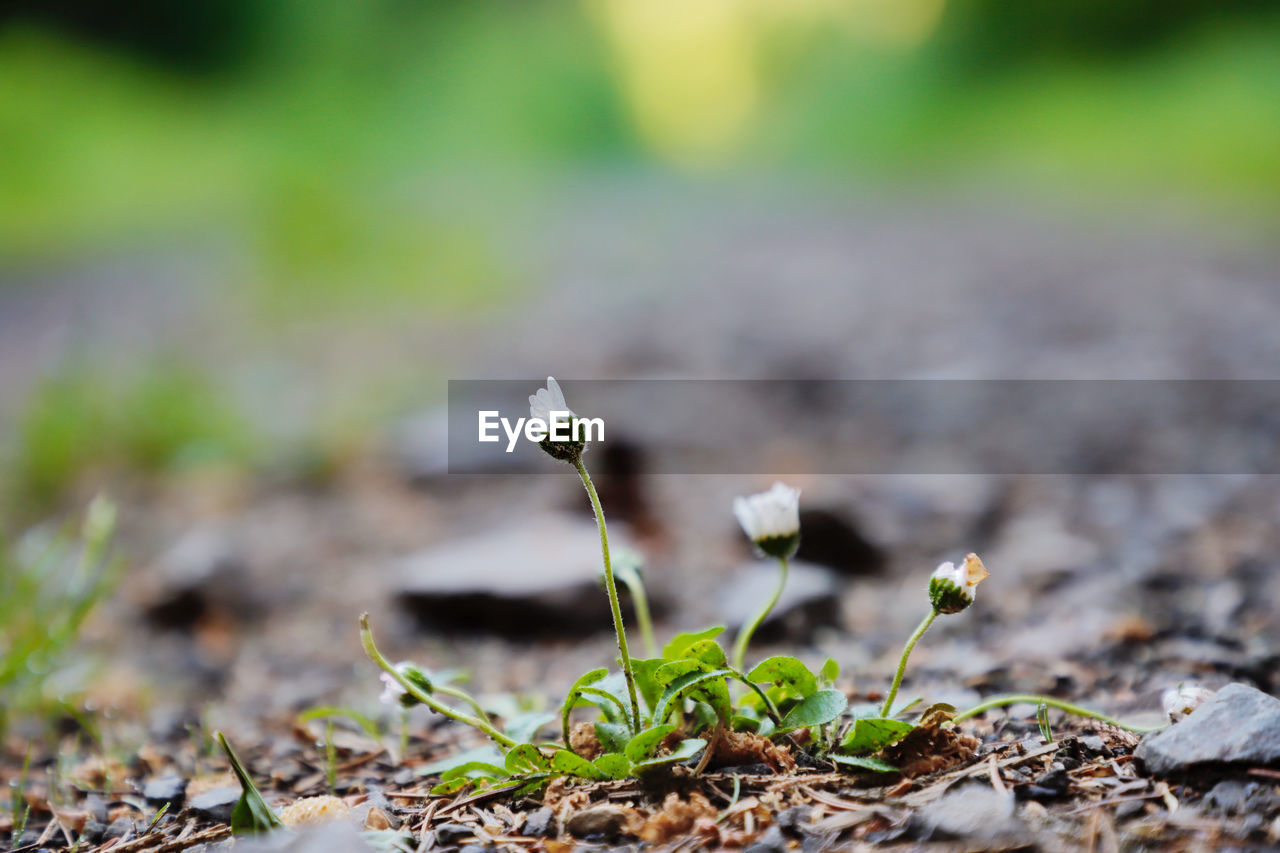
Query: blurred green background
(357,158)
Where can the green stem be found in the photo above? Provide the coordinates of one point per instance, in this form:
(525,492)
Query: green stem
(1033,699)
(902,664)
(481,723)
(612,588)
(759,691)
(464,696)
(641,601)
(744,636)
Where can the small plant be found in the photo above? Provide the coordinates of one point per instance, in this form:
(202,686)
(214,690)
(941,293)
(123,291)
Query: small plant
(47,590)
(676,706)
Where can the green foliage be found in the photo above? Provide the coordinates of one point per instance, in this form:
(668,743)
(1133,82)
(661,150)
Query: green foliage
(47,590)
(251,814)
(80,423)
(871,734)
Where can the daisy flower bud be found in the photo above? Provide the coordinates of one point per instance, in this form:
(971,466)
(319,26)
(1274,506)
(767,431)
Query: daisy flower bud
(771,520)
(952,588)
(548,406)
(394,694)
(1183,699)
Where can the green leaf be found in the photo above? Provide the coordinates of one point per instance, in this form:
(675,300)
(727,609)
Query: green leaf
(451,786)
(371,728)
(613,765)
(870,734)
(687,749)
(525,758)
(523,727)
(830,670)
(252,814)
(650,690)
(571,699)
(788,672)
(679,645)
(613,736)
(646,742)
(475,770)
(709,687)
(864,763)
(708,652)
(815,710)
(564,761)
(487,754)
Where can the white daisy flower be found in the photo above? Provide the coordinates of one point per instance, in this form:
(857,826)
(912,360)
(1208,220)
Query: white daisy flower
(548,406)
(952,588)
(547,401)
(1183,699)
(771,519)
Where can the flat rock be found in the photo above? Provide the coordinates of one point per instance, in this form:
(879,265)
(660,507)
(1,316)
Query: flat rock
(216,804)
(811,599)
(165,789)
(203,572)
(529,577)
(602,823)
(1239,726)
(972,813)
(832,538)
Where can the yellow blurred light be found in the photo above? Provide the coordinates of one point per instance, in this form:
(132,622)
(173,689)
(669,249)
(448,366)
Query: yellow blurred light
(691,70)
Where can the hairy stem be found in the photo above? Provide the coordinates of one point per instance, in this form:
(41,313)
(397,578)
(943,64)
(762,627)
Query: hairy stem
(744,636)
(482,723)
(902,664)
(611,587)
(1033,699)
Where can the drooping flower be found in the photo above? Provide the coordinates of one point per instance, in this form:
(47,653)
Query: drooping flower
(548,405)
(952,588)
(393,692)
(771,520)
(1183,699)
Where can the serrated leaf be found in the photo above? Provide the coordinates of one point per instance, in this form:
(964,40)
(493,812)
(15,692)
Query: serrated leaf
(564,761)
(686,749)
(863,762)
(646,742)
(870,734)
(680,643)
(818,709)
(613,765)
(614,737)
(788,672)
(525,758)
(251,814)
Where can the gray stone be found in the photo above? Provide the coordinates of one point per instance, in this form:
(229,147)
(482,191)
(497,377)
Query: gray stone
(1239,726)
(540,824)
(447,834)
(122,828)
(770,841)
(1237,797)
(603,823)
(165,789)
(216,804)
(203,572)
(833,539)
(810,600)
(974,813)
(534,576)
